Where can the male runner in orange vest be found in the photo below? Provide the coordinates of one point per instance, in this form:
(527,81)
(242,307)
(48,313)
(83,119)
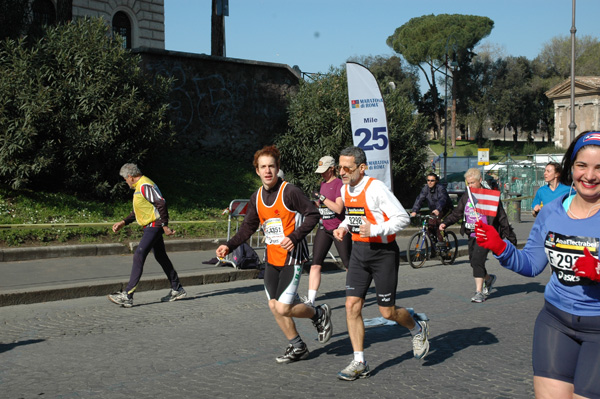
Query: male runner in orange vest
(373,216)
(286,216)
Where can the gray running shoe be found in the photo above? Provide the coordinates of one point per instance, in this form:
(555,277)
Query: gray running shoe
(293,354)
(174,295)
(355,370)
(478,297)
(420,340)
(121,298)
(487,286)
(323,325)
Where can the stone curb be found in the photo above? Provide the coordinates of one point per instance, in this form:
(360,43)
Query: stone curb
(62,251)
(47,294)
(220,275)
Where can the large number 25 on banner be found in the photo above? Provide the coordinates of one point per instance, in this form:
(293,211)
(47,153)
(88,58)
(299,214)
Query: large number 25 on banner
(369,121)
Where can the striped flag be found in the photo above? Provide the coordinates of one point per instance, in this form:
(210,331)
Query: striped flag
(486,201)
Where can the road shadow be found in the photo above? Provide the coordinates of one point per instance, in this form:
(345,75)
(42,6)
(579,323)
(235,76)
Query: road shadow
(527,288)
(373,335)
(11,346)
(259,287)
(444,346)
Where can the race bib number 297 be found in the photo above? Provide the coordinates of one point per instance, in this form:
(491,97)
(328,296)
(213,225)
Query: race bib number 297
(563,251)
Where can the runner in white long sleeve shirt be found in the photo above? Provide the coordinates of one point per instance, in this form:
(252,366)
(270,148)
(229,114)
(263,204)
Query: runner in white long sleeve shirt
(380,200)
(373,216)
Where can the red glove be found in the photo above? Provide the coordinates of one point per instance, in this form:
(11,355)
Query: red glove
(488,238)
(587,266)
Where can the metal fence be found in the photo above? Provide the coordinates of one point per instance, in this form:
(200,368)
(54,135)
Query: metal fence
(516,180)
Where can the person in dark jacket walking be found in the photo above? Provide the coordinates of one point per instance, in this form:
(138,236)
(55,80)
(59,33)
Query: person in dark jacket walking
(438,201)
(149,211)
(465,210)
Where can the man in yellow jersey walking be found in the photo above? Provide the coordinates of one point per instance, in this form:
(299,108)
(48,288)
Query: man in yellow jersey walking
(373,217)
(287,216)
(150,211)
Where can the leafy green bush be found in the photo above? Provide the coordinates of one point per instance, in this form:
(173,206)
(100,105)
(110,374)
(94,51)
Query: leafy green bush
(468,152)
(489,144)
(529,149)
(74,107)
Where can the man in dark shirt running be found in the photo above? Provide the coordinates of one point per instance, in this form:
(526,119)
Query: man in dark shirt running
(287,216)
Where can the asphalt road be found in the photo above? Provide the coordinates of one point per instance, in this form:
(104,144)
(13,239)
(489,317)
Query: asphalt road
(221,342)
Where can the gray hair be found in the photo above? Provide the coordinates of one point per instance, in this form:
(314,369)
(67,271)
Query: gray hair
(129,169)
(353,151)
(473,172)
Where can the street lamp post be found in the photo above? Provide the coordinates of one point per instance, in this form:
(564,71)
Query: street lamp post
(454,63)
(573,125)
(446,119)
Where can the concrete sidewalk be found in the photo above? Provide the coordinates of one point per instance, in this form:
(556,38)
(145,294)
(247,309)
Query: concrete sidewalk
(40,274)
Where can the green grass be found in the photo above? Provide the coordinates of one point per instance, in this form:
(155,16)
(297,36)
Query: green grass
(196,189)
(498,148)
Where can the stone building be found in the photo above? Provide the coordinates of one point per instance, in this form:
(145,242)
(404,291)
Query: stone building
(140,22)
(587,107)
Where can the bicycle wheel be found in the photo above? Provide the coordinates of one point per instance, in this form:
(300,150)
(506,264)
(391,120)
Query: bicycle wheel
(417,250)
(449,252)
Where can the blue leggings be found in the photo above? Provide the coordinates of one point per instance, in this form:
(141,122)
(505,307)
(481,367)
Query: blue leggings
(152,239)
(567,348)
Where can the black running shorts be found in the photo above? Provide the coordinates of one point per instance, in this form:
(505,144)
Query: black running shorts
(281,282)
(567,348)
(374,262)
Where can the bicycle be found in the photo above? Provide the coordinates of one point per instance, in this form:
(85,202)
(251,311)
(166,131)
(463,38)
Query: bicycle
(418,246)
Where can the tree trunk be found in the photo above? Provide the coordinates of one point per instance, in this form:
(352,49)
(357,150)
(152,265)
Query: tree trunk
(434,101)
(64,11)
(453,130)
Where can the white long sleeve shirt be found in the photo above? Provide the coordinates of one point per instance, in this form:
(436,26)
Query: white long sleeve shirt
(380,200)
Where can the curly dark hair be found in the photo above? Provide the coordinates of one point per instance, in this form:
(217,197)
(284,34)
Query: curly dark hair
(269,150)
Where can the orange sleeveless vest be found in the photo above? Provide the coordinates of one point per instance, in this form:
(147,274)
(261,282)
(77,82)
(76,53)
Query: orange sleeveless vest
(356,208)
(278,222)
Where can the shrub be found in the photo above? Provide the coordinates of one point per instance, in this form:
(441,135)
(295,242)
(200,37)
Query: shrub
(74,107)
(529,149)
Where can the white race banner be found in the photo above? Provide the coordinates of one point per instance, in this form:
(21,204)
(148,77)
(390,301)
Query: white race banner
(369,122)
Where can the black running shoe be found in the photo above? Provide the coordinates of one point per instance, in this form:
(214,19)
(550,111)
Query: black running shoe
(293,354)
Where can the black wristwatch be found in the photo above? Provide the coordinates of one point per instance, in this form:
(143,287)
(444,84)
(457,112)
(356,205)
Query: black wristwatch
(322,198)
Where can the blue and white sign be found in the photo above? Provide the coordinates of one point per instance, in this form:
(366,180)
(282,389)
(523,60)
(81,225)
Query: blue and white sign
(369,121)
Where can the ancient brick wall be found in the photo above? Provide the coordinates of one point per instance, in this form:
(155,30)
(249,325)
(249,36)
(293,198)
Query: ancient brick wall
(223,103)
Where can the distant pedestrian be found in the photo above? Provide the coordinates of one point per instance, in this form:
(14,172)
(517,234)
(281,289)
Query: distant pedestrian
(150,211)
(373,217)
(465,211)
(331,207)
(287,216)
(552,190)
(565,235)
